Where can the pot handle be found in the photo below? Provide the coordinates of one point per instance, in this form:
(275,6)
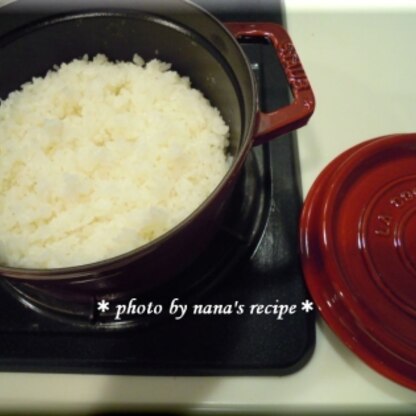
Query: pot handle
(295,115)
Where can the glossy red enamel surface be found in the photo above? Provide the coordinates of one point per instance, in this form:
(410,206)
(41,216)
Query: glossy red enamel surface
(297,113)
(358,241)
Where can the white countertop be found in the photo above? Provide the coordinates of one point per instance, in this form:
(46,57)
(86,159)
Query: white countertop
(362,67)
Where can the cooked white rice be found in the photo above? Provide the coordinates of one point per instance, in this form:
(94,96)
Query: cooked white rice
(99,158)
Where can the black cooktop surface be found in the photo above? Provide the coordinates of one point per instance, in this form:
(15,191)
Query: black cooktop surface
(233,294)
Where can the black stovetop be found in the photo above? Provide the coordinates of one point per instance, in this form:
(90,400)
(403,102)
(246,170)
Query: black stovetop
(254,260)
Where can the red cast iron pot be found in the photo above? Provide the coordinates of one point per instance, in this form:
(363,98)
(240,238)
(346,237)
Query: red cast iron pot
(198,46)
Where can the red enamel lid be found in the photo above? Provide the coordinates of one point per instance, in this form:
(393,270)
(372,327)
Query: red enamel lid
(358,242)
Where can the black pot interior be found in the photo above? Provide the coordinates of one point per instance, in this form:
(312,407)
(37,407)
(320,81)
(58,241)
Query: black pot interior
(208,56)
